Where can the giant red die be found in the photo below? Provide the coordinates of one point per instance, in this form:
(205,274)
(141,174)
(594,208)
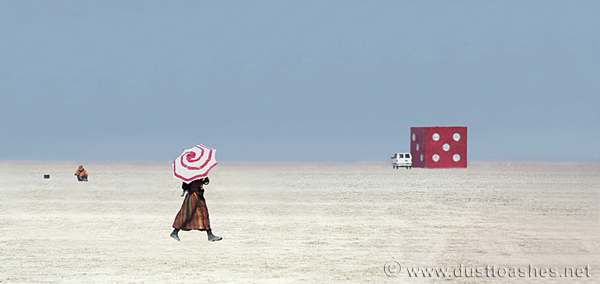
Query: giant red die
(439,147)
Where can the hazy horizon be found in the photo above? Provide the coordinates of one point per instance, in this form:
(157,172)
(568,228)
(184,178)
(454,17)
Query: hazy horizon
(311,81)
(167,163)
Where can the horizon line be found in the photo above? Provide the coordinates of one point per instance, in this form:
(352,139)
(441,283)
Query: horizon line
(307,163)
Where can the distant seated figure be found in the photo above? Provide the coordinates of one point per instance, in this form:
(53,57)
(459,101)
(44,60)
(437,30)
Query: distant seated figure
(81,174)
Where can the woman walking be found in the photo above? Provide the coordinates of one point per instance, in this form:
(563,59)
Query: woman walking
(193,214)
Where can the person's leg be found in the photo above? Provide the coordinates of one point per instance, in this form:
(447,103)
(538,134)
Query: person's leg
(203,212)
(175,234)
(211,237)
(184,216)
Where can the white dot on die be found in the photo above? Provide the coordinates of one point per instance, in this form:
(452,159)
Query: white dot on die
(435,157)
(414,137)
(446,147)
(456,136)
(417,147)
(456,157)
(435,137)
(421,157)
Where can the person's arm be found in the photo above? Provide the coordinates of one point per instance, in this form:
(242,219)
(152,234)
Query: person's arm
(185,186)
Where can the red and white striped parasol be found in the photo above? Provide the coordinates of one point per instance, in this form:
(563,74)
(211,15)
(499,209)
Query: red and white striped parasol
(194,163)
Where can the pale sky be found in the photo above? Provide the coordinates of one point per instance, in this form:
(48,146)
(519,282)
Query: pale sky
(337,81)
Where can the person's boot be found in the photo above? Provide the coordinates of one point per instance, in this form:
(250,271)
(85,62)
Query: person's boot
(213,238)
(175,234)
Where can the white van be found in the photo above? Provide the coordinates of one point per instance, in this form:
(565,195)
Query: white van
(402,160)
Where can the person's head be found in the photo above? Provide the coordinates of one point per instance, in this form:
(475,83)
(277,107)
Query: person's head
(81,167)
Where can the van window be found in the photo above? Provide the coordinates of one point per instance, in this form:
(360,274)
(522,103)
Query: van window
(400,156)
(407,156)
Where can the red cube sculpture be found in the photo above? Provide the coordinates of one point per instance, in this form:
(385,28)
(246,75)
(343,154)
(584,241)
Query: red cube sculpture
(439,147)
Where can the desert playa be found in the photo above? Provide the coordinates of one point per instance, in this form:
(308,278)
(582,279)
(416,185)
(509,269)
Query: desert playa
(302,223)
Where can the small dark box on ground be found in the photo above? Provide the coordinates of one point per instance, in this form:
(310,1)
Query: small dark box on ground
(46,176)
